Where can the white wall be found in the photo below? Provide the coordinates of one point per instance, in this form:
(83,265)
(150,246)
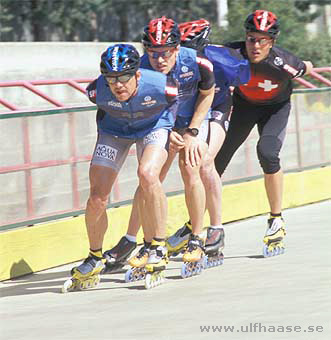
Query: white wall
(48,60)
(43,60)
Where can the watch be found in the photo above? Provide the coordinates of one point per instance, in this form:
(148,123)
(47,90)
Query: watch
(192,131)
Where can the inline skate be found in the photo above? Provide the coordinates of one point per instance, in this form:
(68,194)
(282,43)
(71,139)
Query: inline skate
(178,241)
(117,256)
(86,275)
(156,264)
(137,271)
(273,239)
(193,257)
(214,247)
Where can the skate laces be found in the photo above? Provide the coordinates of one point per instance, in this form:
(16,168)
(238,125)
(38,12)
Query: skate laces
(274,224)
(142,251)
(194,243)
(158,252)
(92,258)
(91,262)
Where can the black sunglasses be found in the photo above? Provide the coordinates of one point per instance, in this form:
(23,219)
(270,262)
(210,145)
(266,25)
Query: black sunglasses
(124,78)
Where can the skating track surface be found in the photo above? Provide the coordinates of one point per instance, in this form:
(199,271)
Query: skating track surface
(249,297)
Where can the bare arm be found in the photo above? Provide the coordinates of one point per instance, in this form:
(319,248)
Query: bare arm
(202,105)
(193,153)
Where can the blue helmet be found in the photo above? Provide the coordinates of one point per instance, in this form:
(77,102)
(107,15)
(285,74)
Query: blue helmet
(119,59)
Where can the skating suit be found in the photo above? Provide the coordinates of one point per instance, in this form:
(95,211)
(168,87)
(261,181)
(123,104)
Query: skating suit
(152,107)
(192,71)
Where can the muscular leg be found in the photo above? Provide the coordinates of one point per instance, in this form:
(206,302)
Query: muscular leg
(134,222)
(274,188)
(152,202)
(101,182)
(195,195)
(209,176)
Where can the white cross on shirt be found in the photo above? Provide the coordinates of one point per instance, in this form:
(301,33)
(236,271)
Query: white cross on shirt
(267,85)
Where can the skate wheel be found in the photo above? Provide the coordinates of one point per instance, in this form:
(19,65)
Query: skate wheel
(129,275)
(205,262)
(199,268)
(67,285)
(148,281)
(184,271)
(265,251)
(142,274)
(83,285)
(97,280)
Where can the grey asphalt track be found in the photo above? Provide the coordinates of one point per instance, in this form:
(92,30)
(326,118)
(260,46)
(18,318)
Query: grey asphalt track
(249,297)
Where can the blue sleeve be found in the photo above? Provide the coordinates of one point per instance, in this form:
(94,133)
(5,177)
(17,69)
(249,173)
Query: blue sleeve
(229,69)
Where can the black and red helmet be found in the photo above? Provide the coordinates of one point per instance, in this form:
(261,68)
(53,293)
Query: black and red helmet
(194,34)
(161,32)
(263,22)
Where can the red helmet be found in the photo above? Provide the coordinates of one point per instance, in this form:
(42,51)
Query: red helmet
(263,22)
(161,32)
(194,34)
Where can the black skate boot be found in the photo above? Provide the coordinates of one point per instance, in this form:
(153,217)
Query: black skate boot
(214,246)
(117,256)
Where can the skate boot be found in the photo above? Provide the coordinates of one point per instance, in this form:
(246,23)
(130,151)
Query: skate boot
(194,257)
(177,242)
(86,275)
(214,247)
(156,264)
(273,239)
(117,256)
(137,271)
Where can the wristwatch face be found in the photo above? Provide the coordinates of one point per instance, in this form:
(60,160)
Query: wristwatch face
(193,131)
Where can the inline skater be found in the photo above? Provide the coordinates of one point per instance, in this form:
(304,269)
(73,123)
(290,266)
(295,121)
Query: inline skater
(265,102)
(124,118)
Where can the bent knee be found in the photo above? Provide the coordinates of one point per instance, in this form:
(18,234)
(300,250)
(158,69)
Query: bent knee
(147,176)
(268,149)
(98,202)
(207,170)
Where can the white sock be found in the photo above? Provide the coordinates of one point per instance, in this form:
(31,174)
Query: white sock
(131,238)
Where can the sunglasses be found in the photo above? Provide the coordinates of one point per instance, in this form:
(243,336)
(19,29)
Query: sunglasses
(261,41)
(156,55)
(124,78)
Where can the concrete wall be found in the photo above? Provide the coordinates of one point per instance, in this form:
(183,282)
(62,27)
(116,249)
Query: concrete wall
(48,60)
